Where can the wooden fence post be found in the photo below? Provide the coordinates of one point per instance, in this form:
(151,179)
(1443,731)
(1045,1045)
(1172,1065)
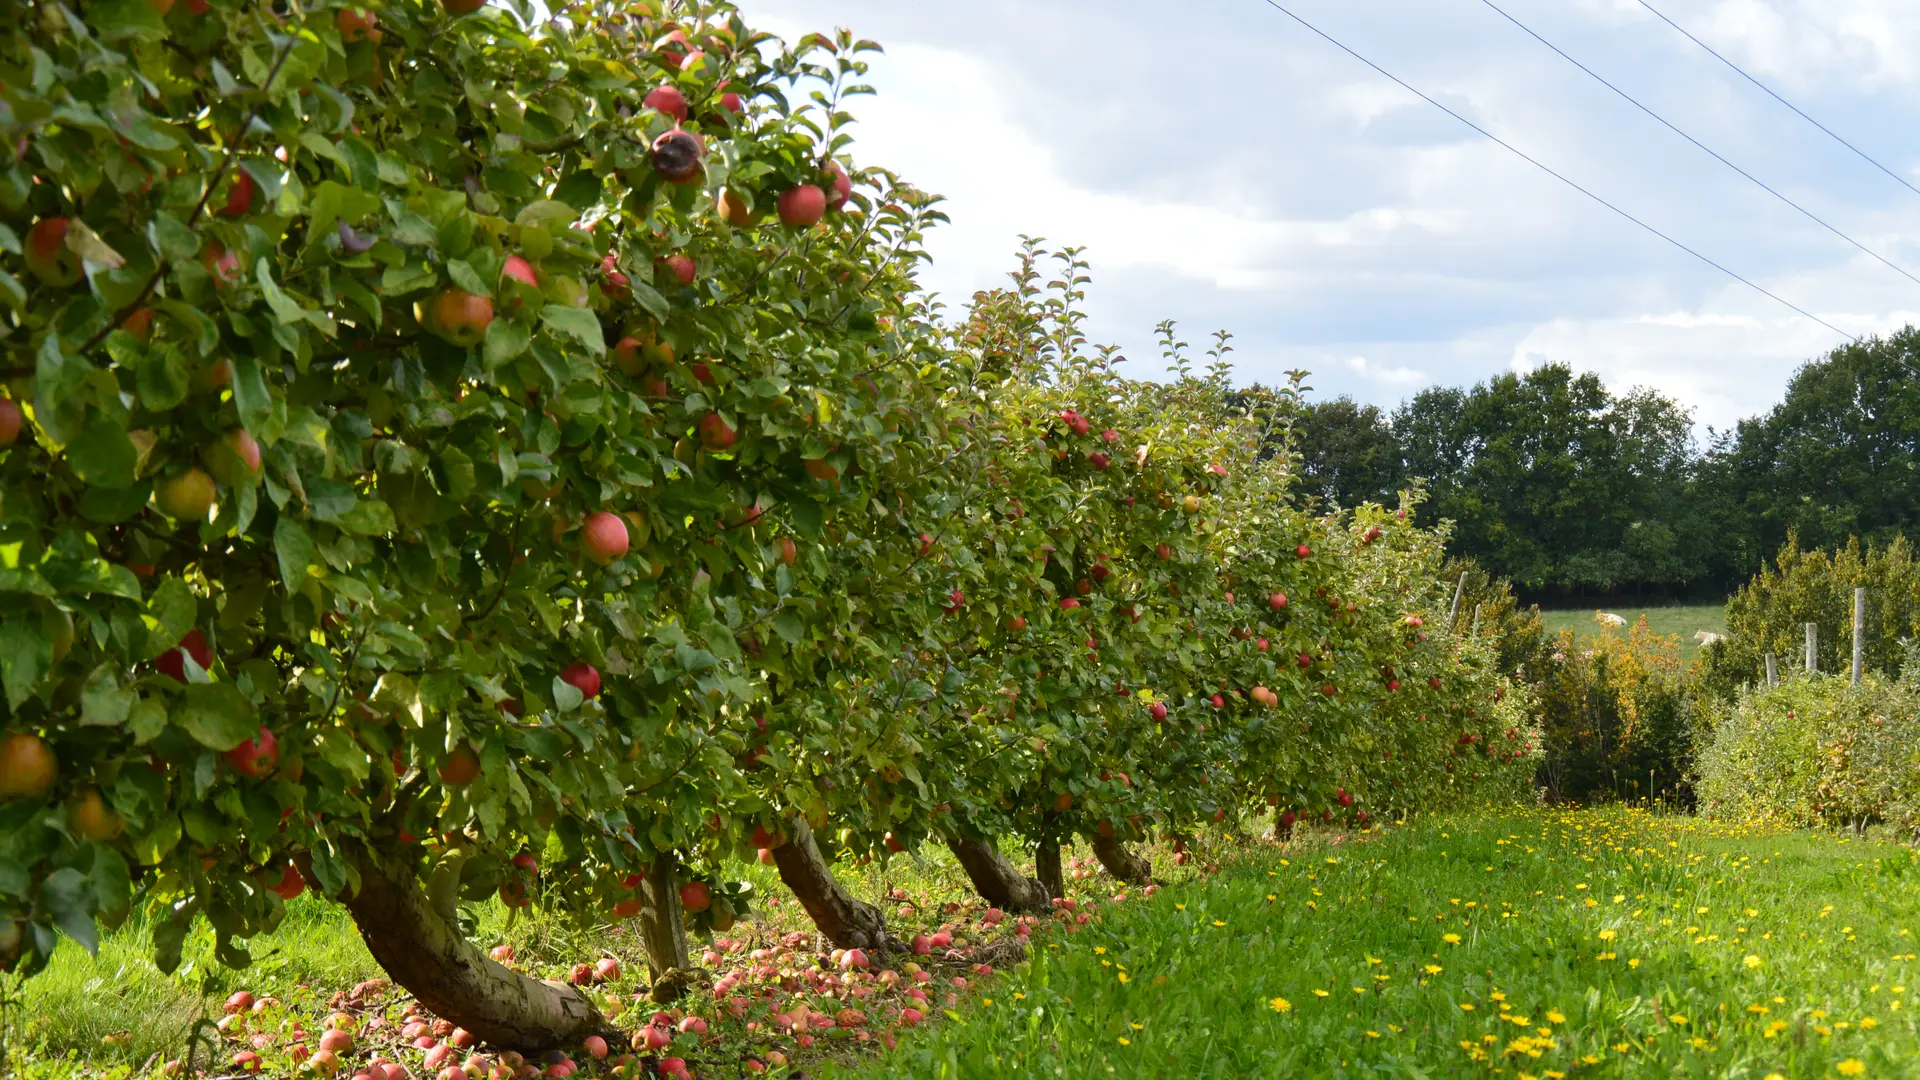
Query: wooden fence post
(1453,612)
(1773,671)
(1859,632)
(1813,648)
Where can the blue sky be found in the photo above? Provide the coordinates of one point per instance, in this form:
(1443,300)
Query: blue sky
(1225,168)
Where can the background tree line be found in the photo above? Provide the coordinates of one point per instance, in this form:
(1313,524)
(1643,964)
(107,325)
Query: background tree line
(1566,488)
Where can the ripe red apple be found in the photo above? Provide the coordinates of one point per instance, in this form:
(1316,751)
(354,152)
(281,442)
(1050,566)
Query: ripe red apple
(1393,684)
(681,266)
(1263,644)
(1099,461)
(223,264)
(522,271)
(460,317)
(1303,551)
(193,644)
(27,766)
(667,99)
(763,838)
(1328,690)
(186,496)
(1344,796)
(603,537)
(802,206)
(893,844)
(583,677)
(1017,623)
(1217,701)
(48,255)
(614,283)
(10,421)
(1434,682)
(1158,712)
(733,208)
(234,459)
(715,433)
(462,767)
(694,897)
(677,154)
(1165,551)
(926,545)
(1069,604)
(240,195)
(357,26)
(256,757)
(1277,601)
(787,551)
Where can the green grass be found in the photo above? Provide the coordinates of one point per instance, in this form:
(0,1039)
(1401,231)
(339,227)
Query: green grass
(1681,620)
(1630,945)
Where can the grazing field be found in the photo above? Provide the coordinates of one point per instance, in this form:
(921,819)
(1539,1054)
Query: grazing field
(1529,945)
(1682,620)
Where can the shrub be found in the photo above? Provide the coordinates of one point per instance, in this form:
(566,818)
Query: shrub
(1816,752)
(1617,715)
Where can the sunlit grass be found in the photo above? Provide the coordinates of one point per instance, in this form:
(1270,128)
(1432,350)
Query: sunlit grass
(1528,945)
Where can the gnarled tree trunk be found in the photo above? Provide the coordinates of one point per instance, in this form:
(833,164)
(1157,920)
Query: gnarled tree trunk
(848,922)
(996,879)
(1121,863)
(664,930)
(422,949)
(1047,869)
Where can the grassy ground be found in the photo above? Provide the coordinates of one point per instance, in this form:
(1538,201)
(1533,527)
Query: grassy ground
(1528,945)
(1685,621)
(1532,945)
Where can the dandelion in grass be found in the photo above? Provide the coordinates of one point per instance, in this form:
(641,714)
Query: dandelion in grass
(1317,992)
(1124,1041)
(1555,1016)
(1466,1006)
(1678,1019)
(1608,935)
(1851,1067)
(1451,939)
(1434,969)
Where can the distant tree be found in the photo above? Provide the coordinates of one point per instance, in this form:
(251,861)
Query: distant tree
(1838,457)
(1348,453)
(1554,482)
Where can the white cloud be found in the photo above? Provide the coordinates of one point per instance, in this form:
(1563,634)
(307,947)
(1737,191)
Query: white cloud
(1395,376)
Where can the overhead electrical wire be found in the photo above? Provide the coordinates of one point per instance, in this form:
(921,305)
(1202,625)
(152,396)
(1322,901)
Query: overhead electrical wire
(1811,216)
(1864,156)
(1536,163)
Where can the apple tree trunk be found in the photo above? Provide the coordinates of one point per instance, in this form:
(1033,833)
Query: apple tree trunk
(1047,869)
(421,948)
(996,879)
(663,929)
(1124,865)
(848,922)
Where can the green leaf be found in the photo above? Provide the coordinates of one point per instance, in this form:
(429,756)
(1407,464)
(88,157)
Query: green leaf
(463,276)
(102,455)
(218,716)
(170,934)
(369,517)
(25,655)
(67,895)
(146,720)
(649,297)
(103,702)
(161,378)
(251,397)
(293,546)
(505,340)
(174,610)
(789,627)
(171,239)
(285,308)
(581,324)
(566,696)
(117,20)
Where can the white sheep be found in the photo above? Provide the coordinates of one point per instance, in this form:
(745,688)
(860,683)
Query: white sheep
(1708,637)
(1609,619)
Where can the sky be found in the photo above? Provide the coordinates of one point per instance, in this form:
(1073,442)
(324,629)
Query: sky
(1226,168)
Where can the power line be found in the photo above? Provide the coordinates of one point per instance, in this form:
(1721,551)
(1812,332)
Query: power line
(1522,155)
(1864,156)
(1811,216)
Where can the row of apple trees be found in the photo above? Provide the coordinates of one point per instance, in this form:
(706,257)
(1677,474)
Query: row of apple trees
(448,454)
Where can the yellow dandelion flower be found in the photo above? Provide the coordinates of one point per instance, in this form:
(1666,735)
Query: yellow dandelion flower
(1124,1041)
(1280,1005)
(1123,977)
(1608,935)
(1851,1067)
(1373,1034)
(1466,1006)
(1359,989)
(1217,922)
(1136,1027)
(1751,961)
(1317,992)
(1451,939)
(1099,950)
(1634,963)
(1179,907)
(1555,1016)
(1434,969)
(1677,1018)
(1868,1023)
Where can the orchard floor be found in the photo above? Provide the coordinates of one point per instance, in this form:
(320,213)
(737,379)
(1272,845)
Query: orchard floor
(1679,620)
(1529,944)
